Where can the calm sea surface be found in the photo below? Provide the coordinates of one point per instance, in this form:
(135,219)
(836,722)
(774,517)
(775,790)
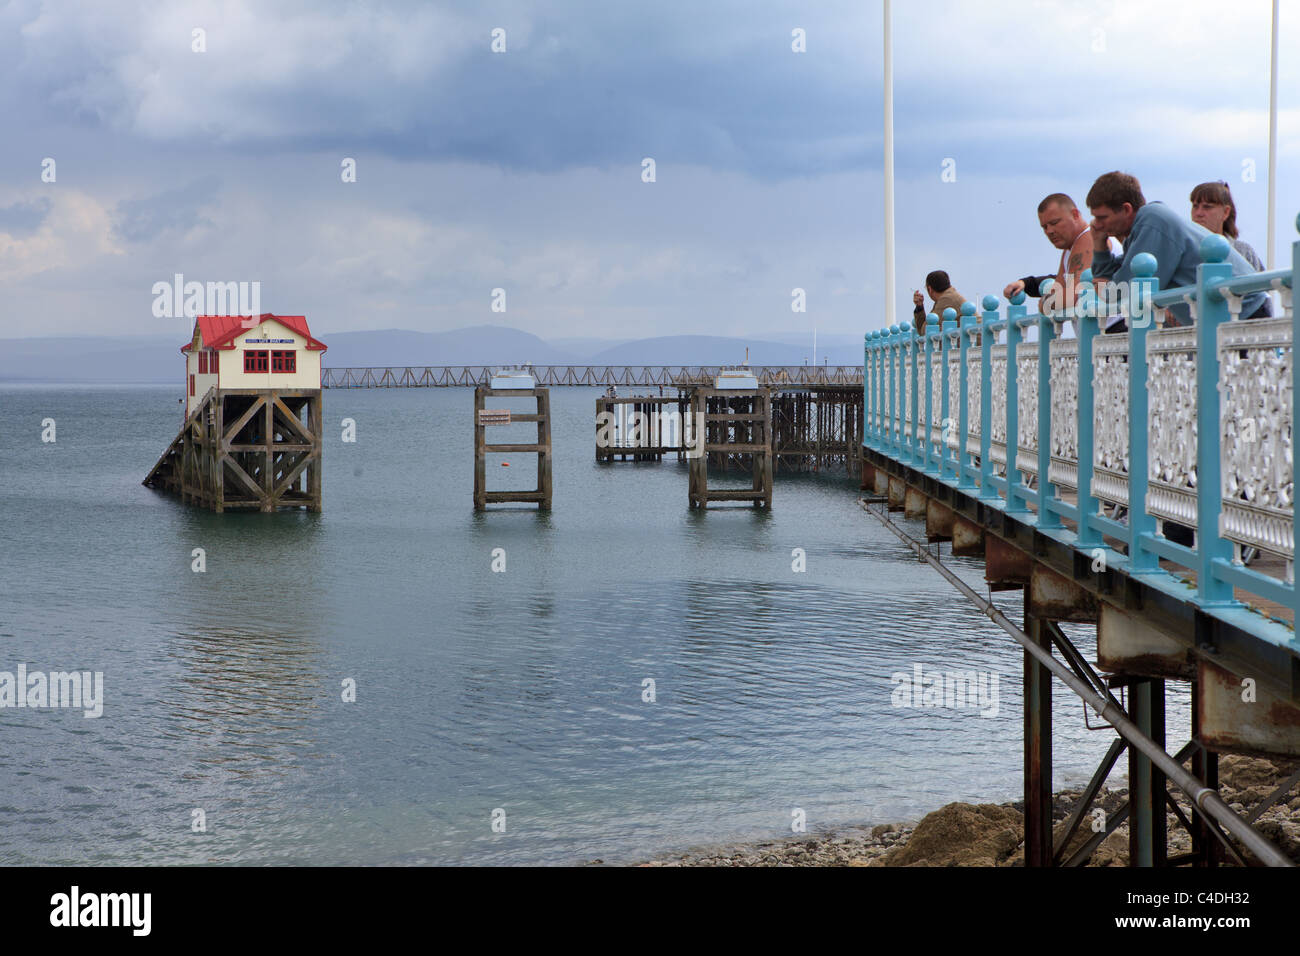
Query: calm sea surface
(475,691)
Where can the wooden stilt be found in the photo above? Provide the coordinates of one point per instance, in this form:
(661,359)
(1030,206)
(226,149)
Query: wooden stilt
(267,458)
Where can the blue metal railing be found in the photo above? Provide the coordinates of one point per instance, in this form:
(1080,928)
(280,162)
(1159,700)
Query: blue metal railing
(1170,383)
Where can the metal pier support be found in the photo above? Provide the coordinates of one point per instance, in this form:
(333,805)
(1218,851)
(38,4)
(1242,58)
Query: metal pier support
(1147,833)
(1038,746)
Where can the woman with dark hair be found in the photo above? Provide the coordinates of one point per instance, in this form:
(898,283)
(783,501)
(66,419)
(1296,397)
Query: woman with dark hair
(1213,208)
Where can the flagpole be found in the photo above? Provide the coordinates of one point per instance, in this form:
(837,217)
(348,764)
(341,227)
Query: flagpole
(890,304)
(1272,141)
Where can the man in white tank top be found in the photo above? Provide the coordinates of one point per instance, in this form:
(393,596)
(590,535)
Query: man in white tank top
(1065,228)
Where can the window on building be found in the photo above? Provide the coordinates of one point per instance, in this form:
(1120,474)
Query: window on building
(203,363)
(284,361)
(255,360)
(191,386)
(212,363)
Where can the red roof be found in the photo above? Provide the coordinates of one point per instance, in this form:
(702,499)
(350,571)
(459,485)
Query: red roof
(219,331)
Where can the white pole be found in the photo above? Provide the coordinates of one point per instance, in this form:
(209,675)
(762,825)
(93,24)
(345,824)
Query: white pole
(1272,141)
(889,169)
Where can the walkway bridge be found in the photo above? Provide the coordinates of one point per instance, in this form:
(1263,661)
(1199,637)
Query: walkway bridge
(1142,482)
(633,376)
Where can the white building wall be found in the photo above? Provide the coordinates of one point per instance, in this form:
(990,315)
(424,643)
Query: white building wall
(280,339)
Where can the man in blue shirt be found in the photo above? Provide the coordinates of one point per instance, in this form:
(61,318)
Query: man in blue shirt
(1119,209)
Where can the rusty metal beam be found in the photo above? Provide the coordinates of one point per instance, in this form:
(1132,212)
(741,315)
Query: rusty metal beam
(1241,715)
(1057,598)
(1006,567)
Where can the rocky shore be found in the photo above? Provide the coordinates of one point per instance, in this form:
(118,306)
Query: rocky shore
(963,834)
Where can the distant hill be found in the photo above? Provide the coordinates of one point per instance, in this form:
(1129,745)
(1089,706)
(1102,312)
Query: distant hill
(477,345)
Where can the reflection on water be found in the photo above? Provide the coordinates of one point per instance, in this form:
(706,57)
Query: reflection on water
(246,699)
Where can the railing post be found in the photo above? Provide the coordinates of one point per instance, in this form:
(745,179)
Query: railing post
(878,388)
(1087,312)
(1295,409)
(1141,312)
(1212,311)
(875,389)
(929,459)
(990,315)
(1016,502)
(1047,518)
(914,444)
(888,384)
(945,422)
(964,480)
(866,389)
(900,342)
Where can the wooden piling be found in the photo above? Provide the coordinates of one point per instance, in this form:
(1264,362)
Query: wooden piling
(541,495)
(737,430)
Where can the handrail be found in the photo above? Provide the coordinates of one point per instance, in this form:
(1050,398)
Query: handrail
(1141,421)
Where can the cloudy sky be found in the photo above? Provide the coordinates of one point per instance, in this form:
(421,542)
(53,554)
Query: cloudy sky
(522,170)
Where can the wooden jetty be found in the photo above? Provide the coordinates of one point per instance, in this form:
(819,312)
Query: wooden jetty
(640,427)
(816,427)
(485,418)
(247,449)
(737,433)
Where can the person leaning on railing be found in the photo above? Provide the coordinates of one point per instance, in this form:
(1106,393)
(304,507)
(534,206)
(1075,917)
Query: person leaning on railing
(940,289)
(1065,229)
(1120,210)
(1213,208)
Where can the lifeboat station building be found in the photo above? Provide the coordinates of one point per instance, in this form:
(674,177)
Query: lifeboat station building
(252,435)
(276,352)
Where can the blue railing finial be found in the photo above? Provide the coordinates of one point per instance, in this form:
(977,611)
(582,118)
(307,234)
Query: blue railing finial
(1144,265)
(1018,298)
(990,303)
(968,308)
(949,315)
(904,326)
(895,329)
(1214,248)
(931,319)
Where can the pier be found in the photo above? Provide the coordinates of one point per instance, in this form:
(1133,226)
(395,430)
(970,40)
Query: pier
(1140,482)
(631,376)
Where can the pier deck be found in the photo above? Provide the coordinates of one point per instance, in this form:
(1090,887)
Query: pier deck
(1141,482)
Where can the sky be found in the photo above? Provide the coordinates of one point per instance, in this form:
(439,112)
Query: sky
(522,170)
